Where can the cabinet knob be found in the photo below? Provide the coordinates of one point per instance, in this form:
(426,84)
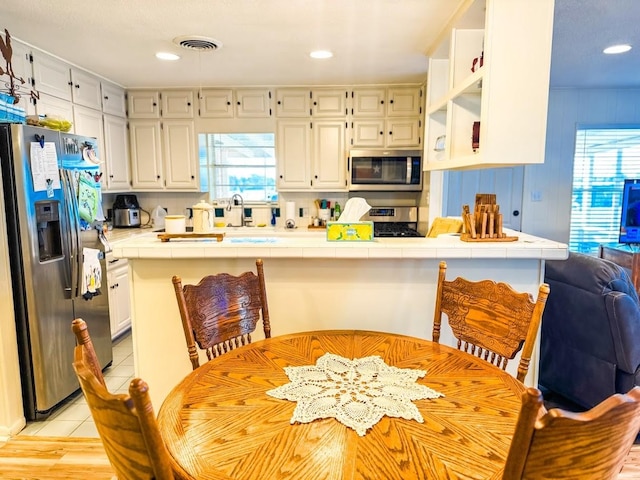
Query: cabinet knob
(381,102)
(110,176)
(390,101)
(316,177)
(228,103)
(315,103)
(381,133)
(154,104)
(158,177)
(106,97)
(188,104)
(516,213)
(77,86)
(193,177)
(279,102)
(390,133)
(70,83)
(281,176)
(238,103)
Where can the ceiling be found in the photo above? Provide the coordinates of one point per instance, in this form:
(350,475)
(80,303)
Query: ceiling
(266,42)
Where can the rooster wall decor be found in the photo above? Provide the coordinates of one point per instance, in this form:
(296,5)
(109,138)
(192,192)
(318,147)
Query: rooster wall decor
(14,83)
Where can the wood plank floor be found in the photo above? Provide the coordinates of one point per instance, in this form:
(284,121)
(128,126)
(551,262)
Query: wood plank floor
(53,458)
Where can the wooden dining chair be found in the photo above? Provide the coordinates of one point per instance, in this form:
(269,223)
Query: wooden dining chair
(221,311)
(591,445)
(490,320)
(126,423)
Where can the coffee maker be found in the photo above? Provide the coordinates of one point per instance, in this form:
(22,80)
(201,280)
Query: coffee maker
(126,211)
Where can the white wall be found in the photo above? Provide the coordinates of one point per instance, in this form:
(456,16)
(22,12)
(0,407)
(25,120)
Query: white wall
(550,217)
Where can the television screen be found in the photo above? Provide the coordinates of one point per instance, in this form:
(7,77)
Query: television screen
(630,218)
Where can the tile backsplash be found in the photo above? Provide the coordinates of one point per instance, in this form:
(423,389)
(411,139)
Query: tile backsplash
(177,203)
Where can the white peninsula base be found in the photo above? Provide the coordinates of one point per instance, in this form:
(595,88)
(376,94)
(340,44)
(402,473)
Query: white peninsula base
(314,292)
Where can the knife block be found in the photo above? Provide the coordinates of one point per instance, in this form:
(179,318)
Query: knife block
(485,223)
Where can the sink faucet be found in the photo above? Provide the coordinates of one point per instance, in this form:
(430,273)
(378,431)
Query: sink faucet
(232,200)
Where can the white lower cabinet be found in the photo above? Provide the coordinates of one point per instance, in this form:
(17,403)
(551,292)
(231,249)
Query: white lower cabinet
(118,284)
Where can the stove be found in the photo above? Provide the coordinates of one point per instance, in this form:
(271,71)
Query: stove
(394,221)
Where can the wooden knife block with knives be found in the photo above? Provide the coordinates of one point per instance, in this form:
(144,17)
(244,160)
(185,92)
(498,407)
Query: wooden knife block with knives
(485,223)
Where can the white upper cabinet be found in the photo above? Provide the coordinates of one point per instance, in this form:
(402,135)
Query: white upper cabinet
(116,154)
(54,106)
(368,102)
(216,103)
(163,155)
(311,155)
(481,76)
(293,151)
(293,102)
(160,104)
(85,89)
(329,172)
(143,104)
(387,117)
(114,101)
(329,102)
(179,153)
(253,103)
(404,102)
(22,68)
(177,103)
(146,155)
(52,76)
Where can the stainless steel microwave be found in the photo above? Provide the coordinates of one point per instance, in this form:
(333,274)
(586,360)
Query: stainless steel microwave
(385,170)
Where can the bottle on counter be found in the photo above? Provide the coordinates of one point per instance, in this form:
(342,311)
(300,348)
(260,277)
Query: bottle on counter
(337,211)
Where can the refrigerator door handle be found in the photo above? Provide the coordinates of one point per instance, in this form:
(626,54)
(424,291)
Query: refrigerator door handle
(69,269)
(76,260)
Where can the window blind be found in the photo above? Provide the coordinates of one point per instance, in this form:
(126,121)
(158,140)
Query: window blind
(604,157)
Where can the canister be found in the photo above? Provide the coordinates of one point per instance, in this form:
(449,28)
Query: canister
(203,217)
(175,224)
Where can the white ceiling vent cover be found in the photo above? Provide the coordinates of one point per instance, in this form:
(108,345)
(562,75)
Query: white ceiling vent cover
(195,42)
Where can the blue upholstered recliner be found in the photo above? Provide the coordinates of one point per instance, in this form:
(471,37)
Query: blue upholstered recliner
(590,336)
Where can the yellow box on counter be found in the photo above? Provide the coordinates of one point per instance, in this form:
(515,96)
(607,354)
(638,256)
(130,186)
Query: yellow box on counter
(350,232)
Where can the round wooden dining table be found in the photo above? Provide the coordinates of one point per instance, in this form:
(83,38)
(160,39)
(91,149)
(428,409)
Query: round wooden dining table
(219,422)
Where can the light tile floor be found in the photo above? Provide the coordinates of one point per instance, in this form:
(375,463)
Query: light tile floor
(72,418)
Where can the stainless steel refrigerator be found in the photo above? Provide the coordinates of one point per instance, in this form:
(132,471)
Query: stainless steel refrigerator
(50,235)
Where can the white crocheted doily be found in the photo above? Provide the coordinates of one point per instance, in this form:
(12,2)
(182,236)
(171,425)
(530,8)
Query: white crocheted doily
(358,392)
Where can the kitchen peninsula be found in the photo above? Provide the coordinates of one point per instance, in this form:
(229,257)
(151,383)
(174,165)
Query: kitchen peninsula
(312,284)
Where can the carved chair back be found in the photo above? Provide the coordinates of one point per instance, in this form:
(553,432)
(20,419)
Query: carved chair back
(126,423)
(490,320)
(592,445)
(221,311)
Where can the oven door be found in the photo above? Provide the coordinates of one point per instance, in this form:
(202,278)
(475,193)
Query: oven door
(390,170)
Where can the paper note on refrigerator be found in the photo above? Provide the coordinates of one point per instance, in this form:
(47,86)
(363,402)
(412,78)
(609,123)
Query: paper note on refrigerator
(44,166)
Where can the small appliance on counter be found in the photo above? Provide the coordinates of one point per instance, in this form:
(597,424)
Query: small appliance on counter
(393,221)
(126,211)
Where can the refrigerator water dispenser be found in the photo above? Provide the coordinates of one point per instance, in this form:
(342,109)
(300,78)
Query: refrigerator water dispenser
(49,235)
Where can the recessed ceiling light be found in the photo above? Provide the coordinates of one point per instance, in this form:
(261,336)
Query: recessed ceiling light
(167,56)
(321,54)
(617,49)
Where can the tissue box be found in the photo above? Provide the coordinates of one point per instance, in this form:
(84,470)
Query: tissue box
(350,232)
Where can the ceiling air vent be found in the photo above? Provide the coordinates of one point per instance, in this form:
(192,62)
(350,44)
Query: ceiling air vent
(194,42)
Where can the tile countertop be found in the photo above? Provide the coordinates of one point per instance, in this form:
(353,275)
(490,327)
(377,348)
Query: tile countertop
(278,243)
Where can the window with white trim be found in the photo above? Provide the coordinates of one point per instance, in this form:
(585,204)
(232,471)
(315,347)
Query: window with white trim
(243,163)
(604,157)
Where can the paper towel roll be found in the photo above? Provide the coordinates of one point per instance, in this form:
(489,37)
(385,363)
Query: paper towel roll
(290,211)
